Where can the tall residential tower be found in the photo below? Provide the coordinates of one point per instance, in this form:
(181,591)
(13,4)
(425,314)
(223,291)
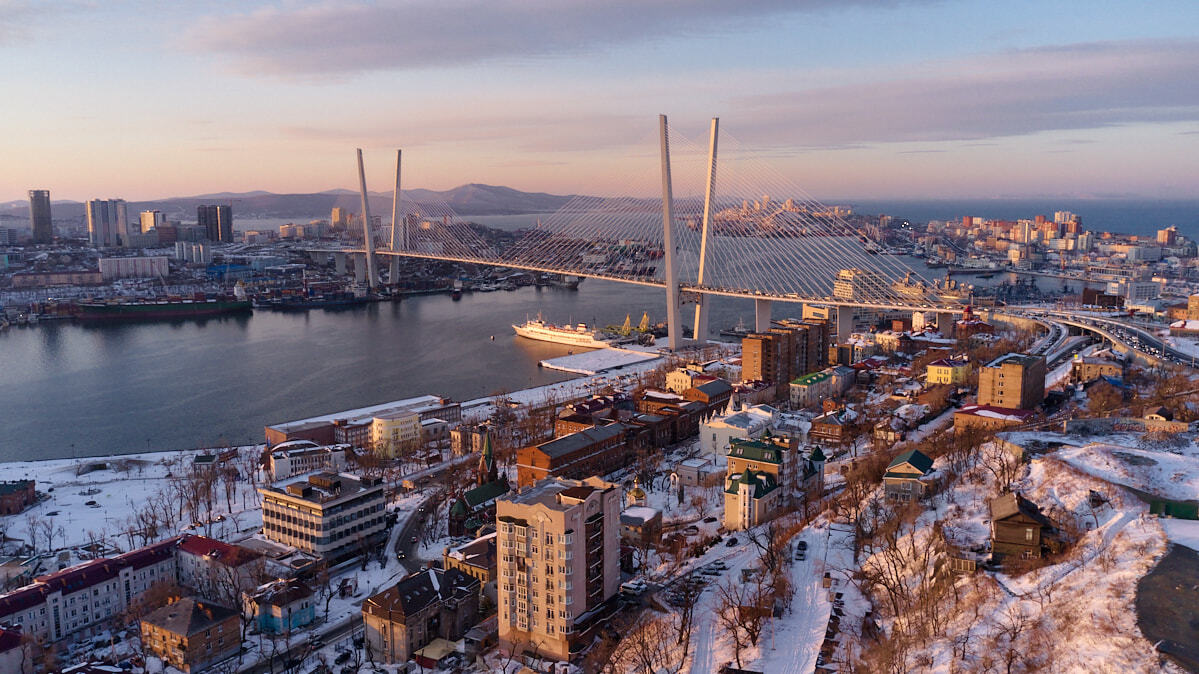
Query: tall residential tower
(217,221)
(39,216)
(107,223)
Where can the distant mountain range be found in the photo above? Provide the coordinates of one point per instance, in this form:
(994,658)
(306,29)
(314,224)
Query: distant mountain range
(465,200)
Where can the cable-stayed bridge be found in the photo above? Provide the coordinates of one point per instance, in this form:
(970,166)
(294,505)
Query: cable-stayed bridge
(724,223)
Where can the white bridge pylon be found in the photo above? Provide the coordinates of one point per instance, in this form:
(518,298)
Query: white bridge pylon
(758,236)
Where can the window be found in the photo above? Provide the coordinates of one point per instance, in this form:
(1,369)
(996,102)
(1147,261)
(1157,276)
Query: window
(1028,535)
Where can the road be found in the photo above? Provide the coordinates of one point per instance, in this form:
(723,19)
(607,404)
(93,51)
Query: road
(1137,338)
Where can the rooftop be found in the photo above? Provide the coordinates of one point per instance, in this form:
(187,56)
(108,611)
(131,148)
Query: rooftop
(188,616)
(547,492)
(1021,359)
(568,444)
(420,590)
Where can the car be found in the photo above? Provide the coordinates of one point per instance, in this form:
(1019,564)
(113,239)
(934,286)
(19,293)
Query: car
(412,540)
(732,541)
(400,555)
(710,520)
(802,545)
(719,565)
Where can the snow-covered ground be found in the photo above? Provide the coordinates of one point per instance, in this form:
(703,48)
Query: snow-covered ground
(1166,474)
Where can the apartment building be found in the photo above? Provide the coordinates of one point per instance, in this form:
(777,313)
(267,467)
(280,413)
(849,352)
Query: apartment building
(217,570)
(190,635)
(395,433)
(332,515)
(427,605)
(558,558)
(1012,381)
(83,598)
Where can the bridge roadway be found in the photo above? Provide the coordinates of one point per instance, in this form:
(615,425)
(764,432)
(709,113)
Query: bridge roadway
(1114,331)
(955,307)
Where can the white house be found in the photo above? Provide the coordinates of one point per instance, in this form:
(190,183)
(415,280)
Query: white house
(747,424)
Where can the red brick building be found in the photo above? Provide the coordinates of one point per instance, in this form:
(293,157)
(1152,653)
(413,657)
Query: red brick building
(16,496)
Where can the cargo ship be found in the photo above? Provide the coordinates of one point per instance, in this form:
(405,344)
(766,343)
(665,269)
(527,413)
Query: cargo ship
(579,335)
(159,309)
(300,303)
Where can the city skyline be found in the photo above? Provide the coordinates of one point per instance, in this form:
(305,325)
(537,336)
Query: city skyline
(851,100)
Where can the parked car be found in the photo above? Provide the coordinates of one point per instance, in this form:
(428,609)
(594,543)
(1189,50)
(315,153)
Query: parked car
(732,541)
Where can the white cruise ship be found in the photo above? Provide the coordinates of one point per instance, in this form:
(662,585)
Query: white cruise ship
(579,335)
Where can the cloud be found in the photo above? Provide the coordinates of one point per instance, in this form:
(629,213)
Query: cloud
(1082,86)
(20,18)
(350,37)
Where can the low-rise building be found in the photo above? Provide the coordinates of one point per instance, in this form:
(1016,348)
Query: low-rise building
(475,559)
(304,456)
(16,496)
(693,472)
(190,634)
(332,515)
(831,428)
(395,433)
(764,476)
(216,570)
(592,451)
(428,605)
(281,606)
(989,418)
(1089,368)
(14,657)
(904,480)
(1018,529)
(84,598)
(746,423)
(683,378)
(641,525)
(951,371)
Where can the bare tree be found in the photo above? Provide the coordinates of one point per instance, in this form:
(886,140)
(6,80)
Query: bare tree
(648,648)
(741,611)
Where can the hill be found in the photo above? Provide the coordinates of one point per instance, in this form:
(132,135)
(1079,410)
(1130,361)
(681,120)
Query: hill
(466,200)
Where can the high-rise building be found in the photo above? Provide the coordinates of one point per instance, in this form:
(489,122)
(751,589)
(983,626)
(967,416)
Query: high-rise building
(557,551)
(340,217)
(151,220)
(1167,236)
(107,223)
(217,221)
(1013,381)
(39,216)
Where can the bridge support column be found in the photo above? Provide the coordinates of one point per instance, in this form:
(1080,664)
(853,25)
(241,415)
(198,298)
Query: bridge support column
(762,315)
(394,276)
(674,317)
(700,332)
(339,263)
(844,323)
(361,268)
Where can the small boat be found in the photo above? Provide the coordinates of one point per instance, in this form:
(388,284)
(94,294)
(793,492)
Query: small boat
(456,294)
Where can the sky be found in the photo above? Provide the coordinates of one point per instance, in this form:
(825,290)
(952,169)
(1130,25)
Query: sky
(858,99)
